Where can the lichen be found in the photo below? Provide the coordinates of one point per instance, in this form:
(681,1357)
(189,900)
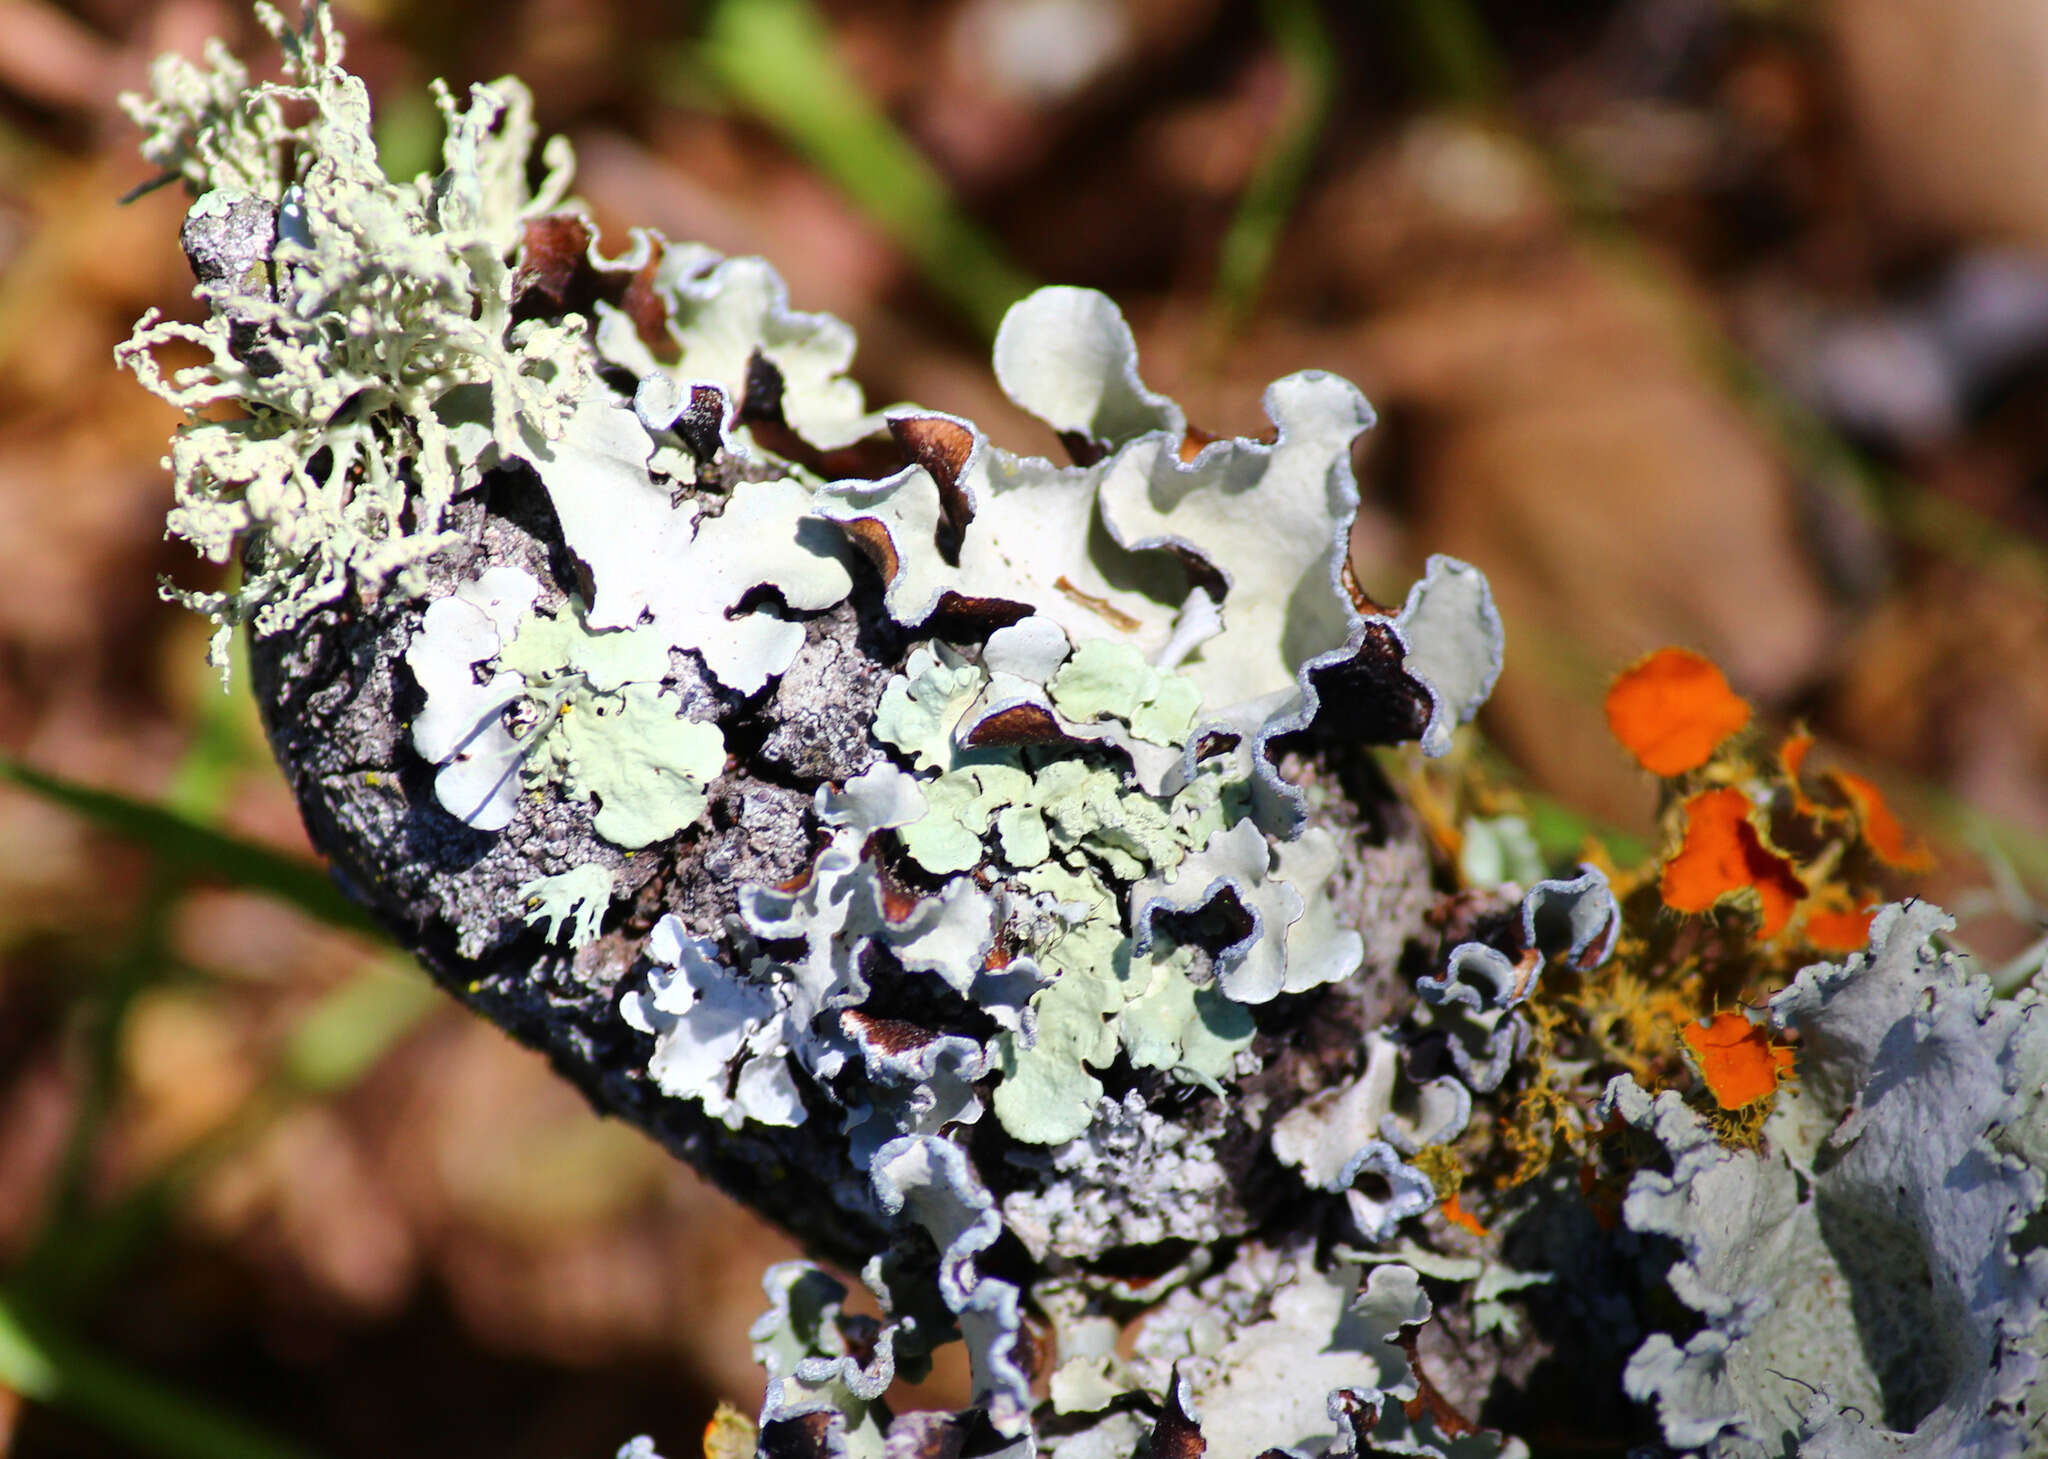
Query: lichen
(362,329)
(728,319)
(823,1362)
(1861,1284)
(929,1182)
(665,569)
(973,858)
(708,1021)
(573,901)
(597,718)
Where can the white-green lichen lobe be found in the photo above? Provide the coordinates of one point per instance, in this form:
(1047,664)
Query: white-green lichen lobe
(570,903)
(664,569)
(518,698)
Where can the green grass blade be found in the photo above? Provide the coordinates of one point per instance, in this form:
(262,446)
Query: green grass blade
(1247,252)
(46,1366)
(343,1035)
(334,1043)
(1451,53)
(192,851)
(774,58)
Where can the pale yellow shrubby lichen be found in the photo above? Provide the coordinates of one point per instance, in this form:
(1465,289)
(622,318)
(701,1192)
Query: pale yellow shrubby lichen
(361,327)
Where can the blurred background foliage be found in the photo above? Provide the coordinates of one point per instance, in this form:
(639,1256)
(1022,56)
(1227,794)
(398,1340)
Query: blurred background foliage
(1712,322)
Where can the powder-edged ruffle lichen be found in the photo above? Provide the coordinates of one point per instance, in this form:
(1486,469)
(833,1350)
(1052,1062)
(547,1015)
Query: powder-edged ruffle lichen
(969,859)
(1873,1282)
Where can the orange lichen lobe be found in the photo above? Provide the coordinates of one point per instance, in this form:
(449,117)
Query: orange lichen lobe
(1882,832)
(1736,1059)
(1840,929)
(1722,854)
(1792,755)
(1672,710)
(1457,1215)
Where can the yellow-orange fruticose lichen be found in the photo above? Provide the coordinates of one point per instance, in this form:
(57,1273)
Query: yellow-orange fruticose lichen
(1672,710)
(1722,854)
(1736,1059)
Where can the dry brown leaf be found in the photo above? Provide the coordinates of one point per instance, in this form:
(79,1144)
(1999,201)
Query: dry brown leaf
(1950,103)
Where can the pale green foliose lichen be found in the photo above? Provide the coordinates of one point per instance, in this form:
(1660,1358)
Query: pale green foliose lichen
(1073,860)
(620,739)
(1069,832)
(597,719)
(1109,678)
(573,901)
(1076,843)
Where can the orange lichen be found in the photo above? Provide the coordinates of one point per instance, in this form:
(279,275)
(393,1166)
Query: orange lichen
(1736,1059)
(1457,1215)
(1629,1022)
(1672,710)
(1603,1196)
(1785,850)
(1722,854)
(1839,929)
(1882,832)
(1792,755)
